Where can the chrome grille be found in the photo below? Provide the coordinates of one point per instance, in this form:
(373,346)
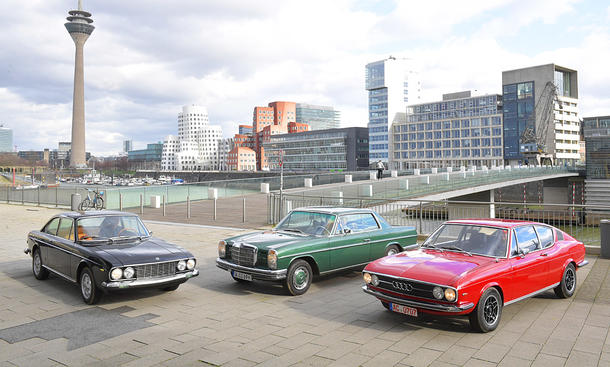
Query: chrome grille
(243,254)
(156,270)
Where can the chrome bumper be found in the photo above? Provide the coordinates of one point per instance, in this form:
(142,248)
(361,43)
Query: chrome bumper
(583,263)
(260,274)
(27,251)
(418,304)
(150,282)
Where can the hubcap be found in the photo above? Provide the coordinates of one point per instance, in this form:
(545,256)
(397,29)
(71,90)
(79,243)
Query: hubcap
(37,263)
(301,277)
(85,285)
(392,251)
(490,310)
(570,280)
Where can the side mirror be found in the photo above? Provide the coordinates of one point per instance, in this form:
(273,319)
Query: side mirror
(524,251)
(347,231)
(150,232)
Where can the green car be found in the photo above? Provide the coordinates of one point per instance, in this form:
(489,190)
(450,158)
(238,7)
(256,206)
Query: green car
(312,241)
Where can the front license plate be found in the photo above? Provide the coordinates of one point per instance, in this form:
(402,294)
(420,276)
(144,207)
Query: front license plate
(403,309)
(242,276)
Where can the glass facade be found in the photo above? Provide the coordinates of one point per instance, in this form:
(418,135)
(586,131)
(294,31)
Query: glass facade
(318,117)
(6,139)
(465,131)
(518,116)
(597,146)
(151,153)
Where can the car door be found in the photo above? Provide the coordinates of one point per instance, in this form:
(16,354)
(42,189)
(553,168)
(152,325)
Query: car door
(528,264)
(351,243)
(46,238)
(551,253)
(65,247)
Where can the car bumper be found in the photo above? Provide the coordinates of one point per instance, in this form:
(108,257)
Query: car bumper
(260,274)
(582,263)
(151,282)
(418,304)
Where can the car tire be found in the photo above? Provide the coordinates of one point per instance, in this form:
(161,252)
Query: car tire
(171,288)
(567,286)
(88,290)
(298,278)
(486,316)
(392,250)
(40,272)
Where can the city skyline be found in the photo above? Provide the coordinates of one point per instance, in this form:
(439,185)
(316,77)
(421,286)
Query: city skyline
(140,73)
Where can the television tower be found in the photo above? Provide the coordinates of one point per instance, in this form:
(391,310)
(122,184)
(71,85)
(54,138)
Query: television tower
(80,28)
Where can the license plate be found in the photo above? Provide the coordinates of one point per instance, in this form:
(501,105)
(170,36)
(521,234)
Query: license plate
(403,309)
(242,276)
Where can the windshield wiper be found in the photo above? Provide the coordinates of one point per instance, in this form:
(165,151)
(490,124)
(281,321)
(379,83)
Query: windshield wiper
(456,249)
(293,230)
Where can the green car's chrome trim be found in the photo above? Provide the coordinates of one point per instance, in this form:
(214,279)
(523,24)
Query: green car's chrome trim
(418,304)
(343,268)
(261,274)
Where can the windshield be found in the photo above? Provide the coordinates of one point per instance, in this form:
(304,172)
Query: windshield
(110,227)
(479,240)
(309,223)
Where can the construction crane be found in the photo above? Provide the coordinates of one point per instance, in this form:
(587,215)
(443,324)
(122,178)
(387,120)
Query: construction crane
(533,138)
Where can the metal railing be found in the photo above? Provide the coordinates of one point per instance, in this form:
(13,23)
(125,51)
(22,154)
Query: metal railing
(579,221)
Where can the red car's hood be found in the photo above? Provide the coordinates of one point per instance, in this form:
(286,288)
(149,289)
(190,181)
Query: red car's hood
(429,265)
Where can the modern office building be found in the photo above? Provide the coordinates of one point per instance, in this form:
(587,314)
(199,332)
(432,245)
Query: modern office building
(597,141)
(392,84)
(241,159)
(541,113)
(149,158)
(127,145)
(320,150)
(245,129)
(318,117)
(196,146)
(6,139)
(460,130)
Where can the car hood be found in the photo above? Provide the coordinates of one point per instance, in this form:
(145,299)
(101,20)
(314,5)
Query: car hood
(429,265)
(270,239)
(141,252)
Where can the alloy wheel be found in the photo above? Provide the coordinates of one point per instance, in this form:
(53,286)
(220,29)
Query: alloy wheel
(490,310)
(85,285)
(570,280)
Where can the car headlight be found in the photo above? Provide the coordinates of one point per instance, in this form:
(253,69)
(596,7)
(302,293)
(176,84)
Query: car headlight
(116,274)
(449,294)
(374,280)
(190,264)
(367,278)
(129,272)
(272,259)
(437,292)
(222,249)
(181,265)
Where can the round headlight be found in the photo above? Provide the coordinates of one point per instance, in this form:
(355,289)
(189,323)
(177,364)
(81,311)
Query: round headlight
(190,264)
(374,280)
(222,249)
(367,278)
(437,292)
(272,259)
(129,272)
(116,274)
(181,265)
(449,294)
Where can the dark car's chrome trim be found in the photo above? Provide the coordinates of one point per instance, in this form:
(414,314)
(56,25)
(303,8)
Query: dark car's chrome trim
(418,304)
(27,251)
(59,273)
(531,294)
(149,281)
(65,251)
(582,263)
(256,273)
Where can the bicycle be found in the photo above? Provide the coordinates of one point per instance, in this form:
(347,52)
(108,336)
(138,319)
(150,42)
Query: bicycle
(97,202)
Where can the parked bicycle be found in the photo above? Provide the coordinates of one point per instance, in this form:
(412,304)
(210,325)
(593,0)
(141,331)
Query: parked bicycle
(97,202)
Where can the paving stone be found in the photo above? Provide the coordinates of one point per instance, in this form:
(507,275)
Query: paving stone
(510,361)
(558,347)
(337,350)
(524,350)
(582,359)
(457,354)
(421,357)
(547,360)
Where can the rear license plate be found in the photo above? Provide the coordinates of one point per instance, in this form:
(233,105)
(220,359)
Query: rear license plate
(242,276)
(403,309)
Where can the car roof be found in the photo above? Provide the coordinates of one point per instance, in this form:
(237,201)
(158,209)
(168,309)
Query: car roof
(95,213)
(504,223)
(333,210)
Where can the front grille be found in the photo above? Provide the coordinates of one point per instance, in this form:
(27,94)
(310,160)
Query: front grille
(406,287)
(156,270)
(243,254)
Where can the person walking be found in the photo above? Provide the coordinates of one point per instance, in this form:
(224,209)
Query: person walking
(380,168)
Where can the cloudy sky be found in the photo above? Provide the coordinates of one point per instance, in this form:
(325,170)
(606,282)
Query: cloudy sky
(147,58)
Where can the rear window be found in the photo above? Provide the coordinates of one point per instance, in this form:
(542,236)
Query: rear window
(546,236)
(51,227)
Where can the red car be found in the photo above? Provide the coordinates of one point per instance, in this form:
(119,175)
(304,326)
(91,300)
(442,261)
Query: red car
(475,267)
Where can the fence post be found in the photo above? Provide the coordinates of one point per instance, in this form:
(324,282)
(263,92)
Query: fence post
(164,205)
(56,197)
(8,197)
(215,209)
(188,206)
(421,216)
(38,193)
(22,190)
(120,202)
(243,217)
(141,204)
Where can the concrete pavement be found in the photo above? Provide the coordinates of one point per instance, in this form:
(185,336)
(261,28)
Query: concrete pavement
(212,320)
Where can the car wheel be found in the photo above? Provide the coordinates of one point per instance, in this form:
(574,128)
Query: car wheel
(39,271)
(88,289)
(566,288)
(392,250)
(486,316)
(298,278)
(171,288)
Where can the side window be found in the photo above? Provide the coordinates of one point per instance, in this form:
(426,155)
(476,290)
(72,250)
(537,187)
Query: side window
(65,228)
(546,236)
(514,249)
(359,222)
(527,238)
(559,235)
(51,227)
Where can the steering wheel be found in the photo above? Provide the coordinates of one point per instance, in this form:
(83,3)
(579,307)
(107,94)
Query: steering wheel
(323,230)
(125,230)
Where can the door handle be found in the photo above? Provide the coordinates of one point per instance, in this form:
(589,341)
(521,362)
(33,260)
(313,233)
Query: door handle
(544,254)
(366,240)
